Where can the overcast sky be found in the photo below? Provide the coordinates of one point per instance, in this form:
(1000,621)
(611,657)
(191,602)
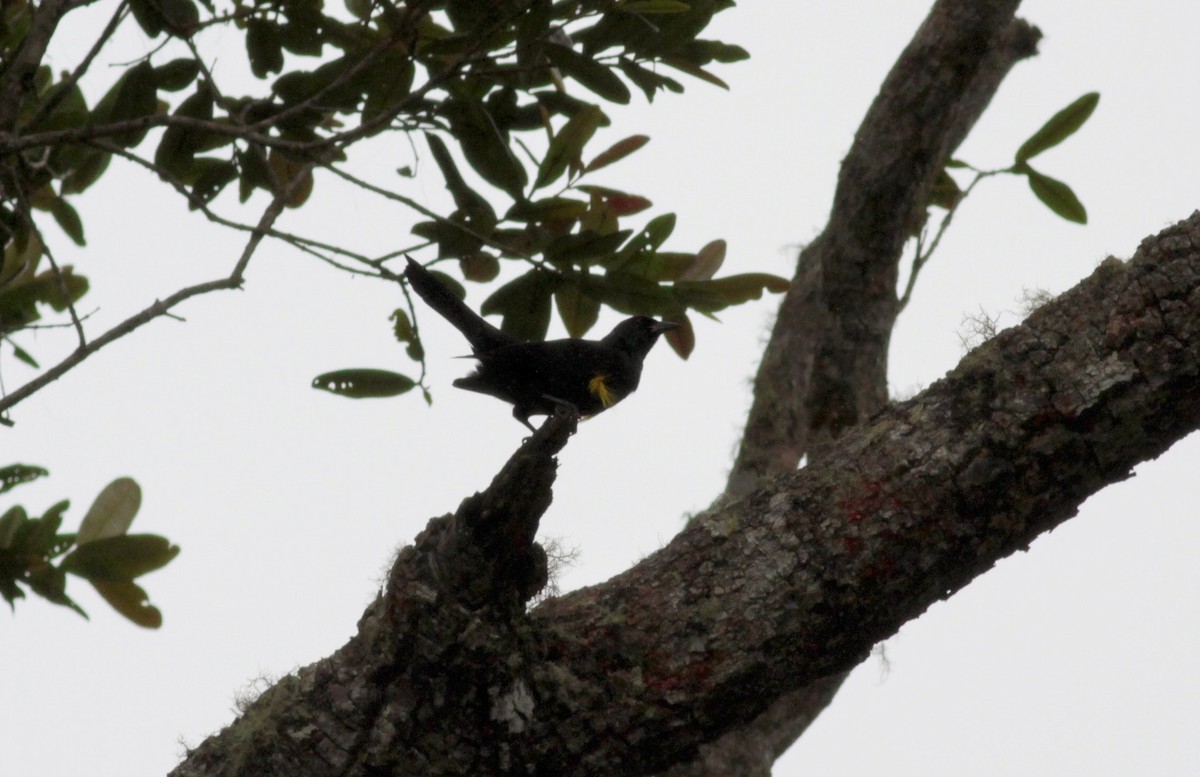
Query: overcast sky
(1075,658)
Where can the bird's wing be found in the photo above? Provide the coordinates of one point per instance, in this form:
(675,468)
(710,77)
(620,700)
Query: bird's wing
(482,336)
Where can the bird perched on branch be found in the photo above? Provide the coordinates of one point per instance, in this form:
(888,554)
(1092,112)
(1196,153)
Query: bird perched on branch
(588,376)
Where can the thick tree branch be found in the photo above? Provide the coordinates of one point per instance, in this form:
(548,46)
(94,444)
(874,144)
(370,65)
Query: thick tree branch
(825,366)
(759,596)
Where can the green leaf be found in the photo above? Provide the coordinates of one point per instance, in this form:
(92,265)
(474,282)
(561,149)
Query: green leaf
(683,339)
(128,598)
(714,295)
(133,96)
(584,247)
(591,74)
(86,173)
(576,308)
(654,6)
(124,557)
(708,260)
(388,83)
(946,192)
(548,209)
(632,294)
(649,81)
(68,218)
(176,75)
(695,70)
(364,383)
(11,523)
(479,266)
(15,474)
(177,149)
(112,512)
(403,329)
(567,144)
(24,355)
(1056,196)
(653,235)
(524,303)
(1060,127)
(465,198)
(617,151)
(264,47)
(485,147)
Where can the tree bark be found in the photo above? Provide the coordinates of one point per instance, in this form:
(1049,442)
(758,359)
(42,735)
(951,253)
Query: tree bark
(825,366)
(758,596)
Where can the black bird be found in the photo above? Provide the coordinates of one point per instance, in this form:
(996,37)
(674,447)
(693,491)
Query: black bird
(589,376)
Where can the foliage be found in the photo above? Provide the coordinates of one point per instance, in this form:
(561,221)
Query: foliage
(1053,193)
(505,97)
(101,552)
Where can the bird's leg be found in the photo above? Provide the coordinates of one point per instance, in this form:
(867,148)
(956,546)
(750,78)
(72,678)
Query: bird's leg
(523,417)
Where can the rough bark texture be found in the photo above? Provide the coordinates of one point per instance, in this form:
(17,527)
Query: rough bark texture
(826,365)
(759,596)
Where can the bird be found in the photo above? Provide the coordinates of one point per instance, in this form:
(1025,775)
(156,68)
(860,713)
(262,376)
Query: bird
(539,377)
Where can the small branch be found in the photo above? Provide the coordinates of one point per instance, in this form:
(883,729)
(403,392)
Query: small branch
(62,288)
(64,87)
(159,308)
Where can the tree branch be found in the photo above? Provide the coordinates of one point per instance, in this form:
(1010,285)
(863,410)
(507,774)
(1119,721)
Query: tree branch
(759,596)
(825,365)
(159,308)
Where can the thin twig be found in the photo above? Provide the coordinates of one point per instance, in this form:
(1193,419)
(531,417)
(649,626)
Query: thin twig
(160,307)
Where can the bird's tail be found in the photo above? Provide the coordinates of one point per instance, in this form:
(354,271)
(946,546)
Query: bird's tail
(480,334)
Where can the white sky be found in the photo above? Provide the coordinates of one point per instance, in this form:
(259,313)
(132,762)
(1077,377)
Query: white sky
(1076,658)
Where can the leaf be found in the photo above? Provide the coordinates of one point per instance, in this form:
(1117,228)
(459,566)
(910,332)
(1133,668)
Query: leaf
(567,144)
(465,197)
(264,47)
(124,557)
(548,209)
(86,173)
(708,260)
(524,303)
(654,6)
(15,474)
(128,598)
(484,146)
(710,296)
(584,247)
(1057,196)
(177,149)
(12,522)
(364,383)
(576,308)
(24,355)
(617,151)
(68,218)
(653,235)
(112,512)
(695,70)
(480,266)
(176,75)
(591,74)
(295,178)
(404,331)
(946,192)
(622,204)
(133,96)
(683,339)
(1060,127)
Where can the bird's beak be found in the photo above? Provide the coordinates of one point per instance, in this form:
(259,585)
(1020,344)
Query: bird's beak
(664,326)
